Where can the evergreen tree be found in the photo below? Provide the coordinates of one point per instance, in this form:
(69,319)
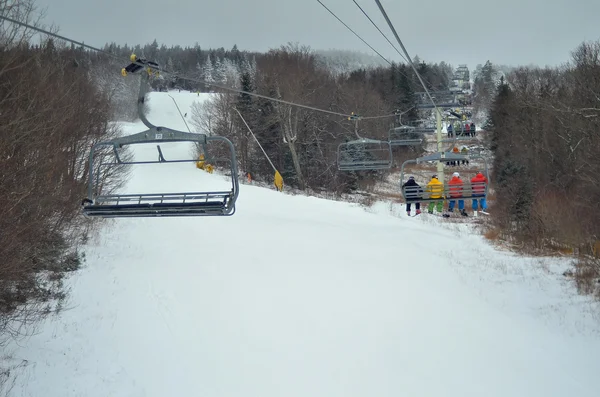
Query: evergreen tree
(151,51)
(207,71)
(405,95)
(218,71)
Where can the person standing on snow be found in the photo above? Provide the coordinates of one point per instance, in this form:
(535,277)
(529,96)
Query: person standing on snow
(456,191)
(412,193)
(435,188)
(478,185)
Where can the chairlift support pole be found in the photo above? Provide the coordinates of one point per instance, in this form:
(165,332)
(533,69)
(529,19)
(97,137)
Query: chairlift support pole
(440,166)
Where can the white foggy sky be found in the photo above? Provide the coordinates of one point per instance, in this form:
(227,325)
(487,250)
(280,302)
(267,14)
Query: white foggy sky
(514,32)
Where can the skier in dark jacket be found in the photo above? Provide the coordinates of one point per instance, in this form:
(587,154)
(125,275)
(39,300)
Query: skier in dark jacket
(412,193)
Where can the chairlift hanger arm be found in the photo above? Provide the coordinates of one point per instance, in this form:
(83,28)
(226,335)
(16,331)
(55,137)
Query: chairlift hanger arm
(154,133)
(159,134)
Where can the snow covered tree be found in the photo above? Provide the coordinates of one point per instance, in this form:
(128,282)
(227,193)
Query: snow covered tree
(486,81)
(218,71)
(207,72)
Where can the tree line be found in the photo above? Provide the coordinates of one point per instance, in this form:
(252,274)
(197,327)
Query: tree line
(52,110)
(544,125)
(303,143)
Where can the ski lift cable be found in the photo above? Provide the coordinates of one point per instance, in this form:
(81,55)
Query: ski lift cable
(368,45)
(361,39)
(356,34)
(223,87)
(406,53)
(377,27)
(384,36)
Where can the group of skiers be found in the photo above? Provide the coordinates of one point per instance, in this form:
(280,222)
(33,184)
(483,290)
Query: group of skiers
(466,129)
(435,192)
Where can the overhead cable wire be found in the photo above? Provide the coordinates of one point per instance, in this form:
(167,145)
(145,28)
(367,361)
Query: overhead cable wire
(43,31)
(183,77)
(377,27)
(405,52)
(384,36)
(356,34)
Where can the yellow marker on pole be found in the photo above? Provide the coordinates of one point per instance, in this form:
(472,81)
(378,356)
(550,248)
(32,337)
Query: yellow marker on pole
(278,181)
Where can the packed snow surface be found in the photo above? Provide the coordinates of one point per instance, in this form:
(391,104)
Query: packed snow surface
(300,296)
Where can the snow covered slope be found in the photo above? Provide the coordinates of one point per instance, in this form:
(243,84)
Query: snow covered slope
(298,296)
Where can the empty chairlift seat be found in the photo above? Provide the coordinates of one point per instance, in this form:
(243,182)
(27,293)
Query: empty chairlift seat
(206,203)
(107,155)
(405,136)
(364,154)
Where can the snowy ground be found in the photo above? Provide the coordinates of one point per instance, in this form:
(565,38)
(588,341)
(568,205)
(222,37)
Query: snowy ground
(298,296)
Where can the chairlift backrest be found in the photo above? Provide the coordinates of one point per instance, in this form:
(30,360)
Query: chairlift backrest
(405,136)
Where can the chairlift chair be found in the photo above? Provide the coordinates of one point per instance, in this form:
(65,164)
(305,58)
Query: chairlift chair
(209,203)
(405,136)
(364,154)
(425,130)
(469,190)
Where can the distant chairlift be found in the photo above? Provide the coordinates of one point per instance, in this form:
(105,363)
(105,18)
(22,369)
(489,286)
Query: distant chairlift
(468,191)
(460,135)
(209,203)
(364,154)
(405,136)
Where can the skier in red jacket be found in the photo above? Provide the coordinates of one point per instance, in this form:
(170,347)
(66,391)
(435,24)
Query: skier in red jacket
(456,192)
(479,184)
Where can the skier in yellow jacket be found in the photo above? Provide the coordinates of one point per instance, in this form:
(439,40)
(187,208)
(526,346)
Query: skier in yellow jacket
(435,188)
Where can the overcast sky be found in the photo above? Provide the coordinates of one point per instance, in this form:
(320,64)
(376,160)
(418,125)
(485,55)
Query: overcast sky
(514,32)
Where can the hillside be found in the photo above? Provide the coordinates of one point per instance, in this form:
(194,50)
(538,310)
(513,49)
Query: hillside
(298,296)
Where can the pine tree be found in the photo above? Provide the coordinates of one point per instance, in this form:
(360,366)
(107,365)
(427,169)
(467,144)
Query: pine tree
(236,55)
(207,72)
(246,106)
(405,98)
(152,51)
(218,72)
